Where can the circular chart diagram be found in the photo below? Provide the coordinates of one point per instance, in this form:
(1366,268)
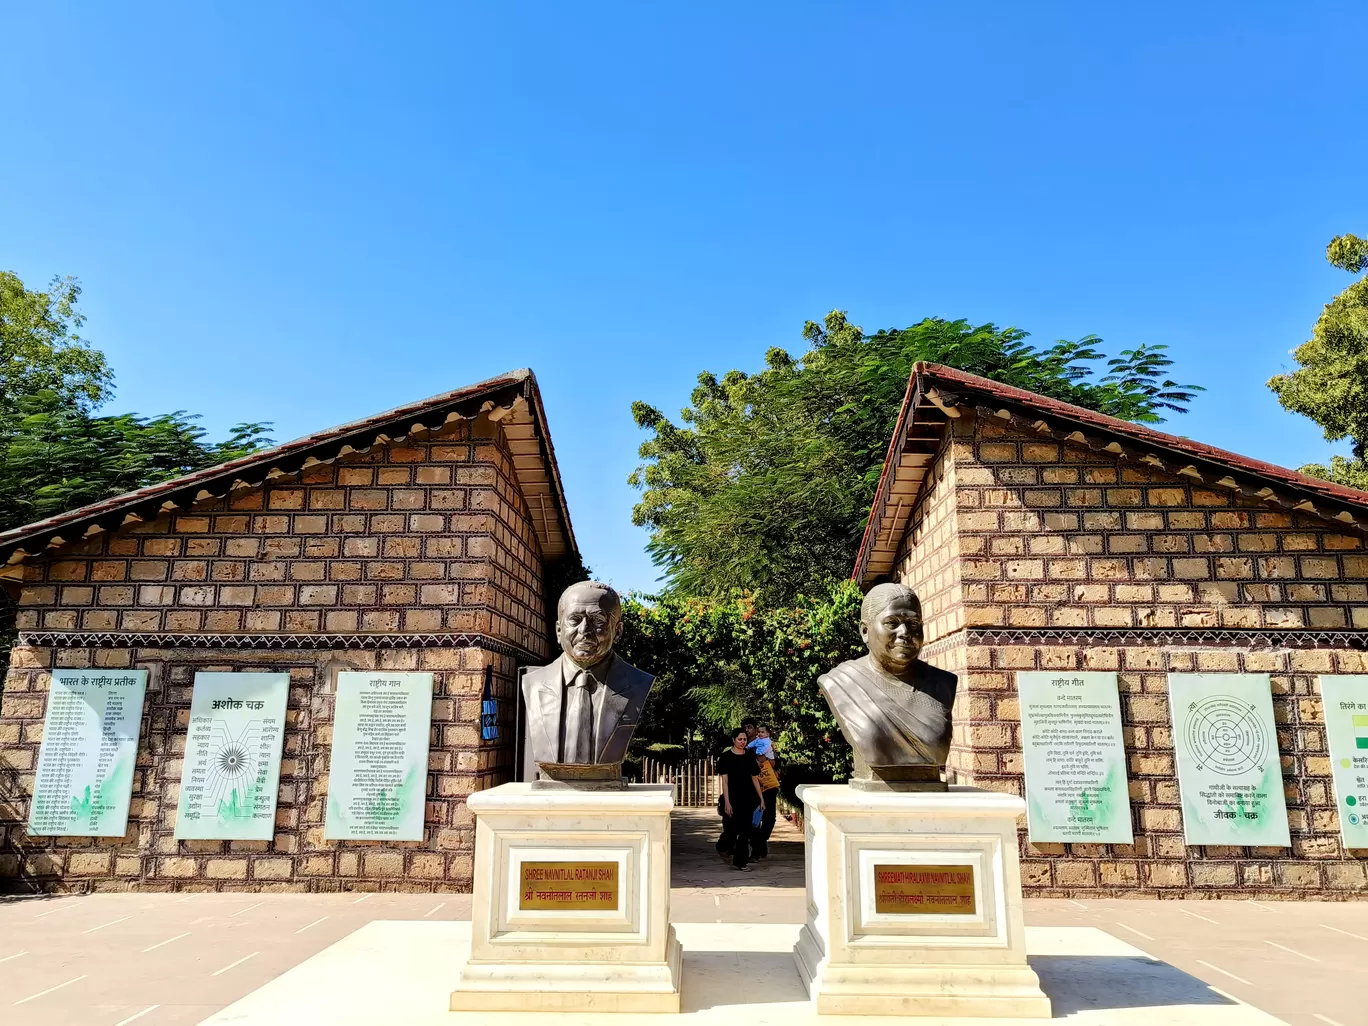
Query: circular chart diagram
(1224,735)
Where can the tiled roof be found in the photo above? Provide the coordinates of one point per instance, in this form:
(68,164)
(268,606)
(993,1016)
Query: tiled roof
(937,394)
(512,399)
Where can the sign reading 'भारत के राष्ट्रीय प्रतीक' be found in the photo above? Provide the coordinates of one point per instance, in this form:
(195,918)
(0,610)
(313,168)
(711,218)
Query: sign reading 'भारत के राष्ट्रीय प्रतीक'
(88,754)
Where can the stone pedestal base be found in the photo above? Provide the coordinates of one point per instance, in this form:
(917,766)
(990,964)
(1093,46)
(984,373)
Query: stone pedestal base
(571,909)
(914,905)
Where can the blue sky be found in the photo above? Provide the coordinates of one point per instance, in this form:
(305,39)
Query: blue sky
(313,213)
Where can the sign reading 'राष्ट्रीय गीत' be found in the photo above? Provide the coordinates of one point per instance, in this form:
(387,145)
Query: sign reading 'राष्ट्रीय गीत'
(377,780)
(1344,698)
(90,745)
(1075,758)
(231,770)
(1229,773)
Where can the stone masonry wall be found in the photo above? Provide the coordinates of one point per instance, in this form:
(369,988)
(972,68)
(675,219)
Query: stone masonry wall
(431,539)
(1056,538)
(149,857)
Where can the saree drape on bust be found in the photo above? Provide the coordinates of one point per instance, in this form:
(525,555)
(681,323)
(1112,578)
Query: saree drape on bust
(889,722)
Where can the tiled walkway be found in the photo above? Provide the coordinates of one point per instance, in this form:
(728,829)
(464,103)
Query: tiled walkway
(162,959)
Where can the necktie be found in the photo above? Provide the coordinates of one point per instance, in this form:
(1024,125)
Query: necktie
(579,719)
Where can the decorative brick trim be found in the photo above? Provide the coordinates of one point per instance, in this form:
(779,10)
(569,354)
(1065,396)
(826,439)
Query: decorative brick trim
(1170,636)
(1160,637)
(122,639)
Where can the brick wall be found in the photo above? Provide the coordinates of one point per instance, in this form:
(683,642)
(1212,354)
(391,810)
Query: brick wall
(1120,567)
(427,545)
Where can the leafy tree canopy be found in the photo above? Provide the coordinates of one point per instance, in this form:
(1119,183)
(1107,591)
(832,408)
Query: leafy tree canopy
(56,453)
(764,487)
(1330,385)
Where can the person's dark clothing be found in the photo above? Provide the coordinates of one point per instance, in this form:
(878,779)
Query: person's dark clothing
(760,842)
(737,832)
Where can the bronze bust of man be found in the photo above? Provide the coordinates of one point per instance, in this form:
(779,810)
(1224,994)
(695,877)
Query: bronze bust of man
(582,709)
(893,708)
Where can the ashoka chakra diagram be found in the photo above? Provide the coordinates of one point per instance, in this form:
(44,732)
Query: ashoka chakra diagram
(1225,734)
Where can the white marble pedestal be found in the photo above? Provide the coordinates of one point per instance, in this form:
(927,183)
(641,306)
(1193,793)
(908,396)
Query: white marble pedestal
(914,905)
(571,907)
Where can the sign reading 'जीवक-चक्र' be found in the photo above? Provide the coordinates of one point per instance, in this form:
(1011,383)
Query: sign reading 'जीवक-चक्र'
(924,890)
(1229,772)
(1345,702)
(1075,758)
(90,747)
(568,886)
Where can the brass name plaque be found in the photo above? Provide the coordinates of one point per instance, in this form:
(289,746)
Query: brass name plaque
(924,890)
(568,886)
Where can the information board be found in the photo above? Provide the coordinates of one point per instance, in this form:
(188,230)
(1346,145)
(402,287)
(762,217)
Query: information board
(924,890)
(90,746)
(568,886)
(1229,775)
(1075,758)
(231,771)
(377,784)
(1345,698)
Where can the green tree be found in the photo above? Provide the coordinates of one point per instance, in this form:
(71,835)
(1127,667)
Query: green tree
(765,485)
(1330,385)
(56,453)
(718,661)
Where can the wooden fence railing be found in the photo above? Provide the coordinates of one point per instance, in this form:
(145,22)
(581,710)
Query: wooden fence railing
(695,781)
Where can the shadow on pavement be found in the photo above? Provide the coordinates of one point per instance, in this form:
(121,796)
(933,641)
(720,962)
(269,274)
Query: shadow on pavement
(1078,983)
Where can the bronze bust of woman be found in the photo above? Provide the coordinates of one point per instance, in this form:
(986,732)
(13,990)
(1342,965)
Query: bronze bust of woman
(893,708)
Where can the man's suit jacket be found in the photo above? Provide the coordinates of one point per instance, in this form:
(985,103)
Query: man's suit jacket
(543,690)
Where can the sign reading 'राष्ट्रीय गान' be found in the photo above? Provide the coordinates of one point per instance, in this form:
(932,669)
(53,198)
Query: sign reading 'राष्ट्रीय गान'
(377,781)
(85,769)
(1229,772)
(231,771)
(1075,758)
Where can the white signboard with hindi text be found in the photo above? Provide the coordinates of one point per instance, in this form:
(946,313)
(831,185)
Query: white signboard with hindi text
(231,771)
(377,782)
(89,751)
(1075,758)
(1345,700)
(1229,774)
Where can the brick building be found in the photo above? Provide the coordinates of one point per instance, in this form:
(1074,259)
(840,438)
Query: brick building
(425,538)
(1042,536)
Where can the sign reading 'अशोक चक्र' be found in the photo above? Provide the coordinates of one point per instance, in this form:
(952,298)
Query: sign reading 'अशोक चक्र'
(1075,758)
(88,754)
(377,780)
(568,886)
(1229,772)
(231,771)
(1344,698)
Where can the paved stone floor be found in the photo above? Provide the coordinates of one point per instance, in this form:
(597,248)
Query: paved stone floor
(162,959)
